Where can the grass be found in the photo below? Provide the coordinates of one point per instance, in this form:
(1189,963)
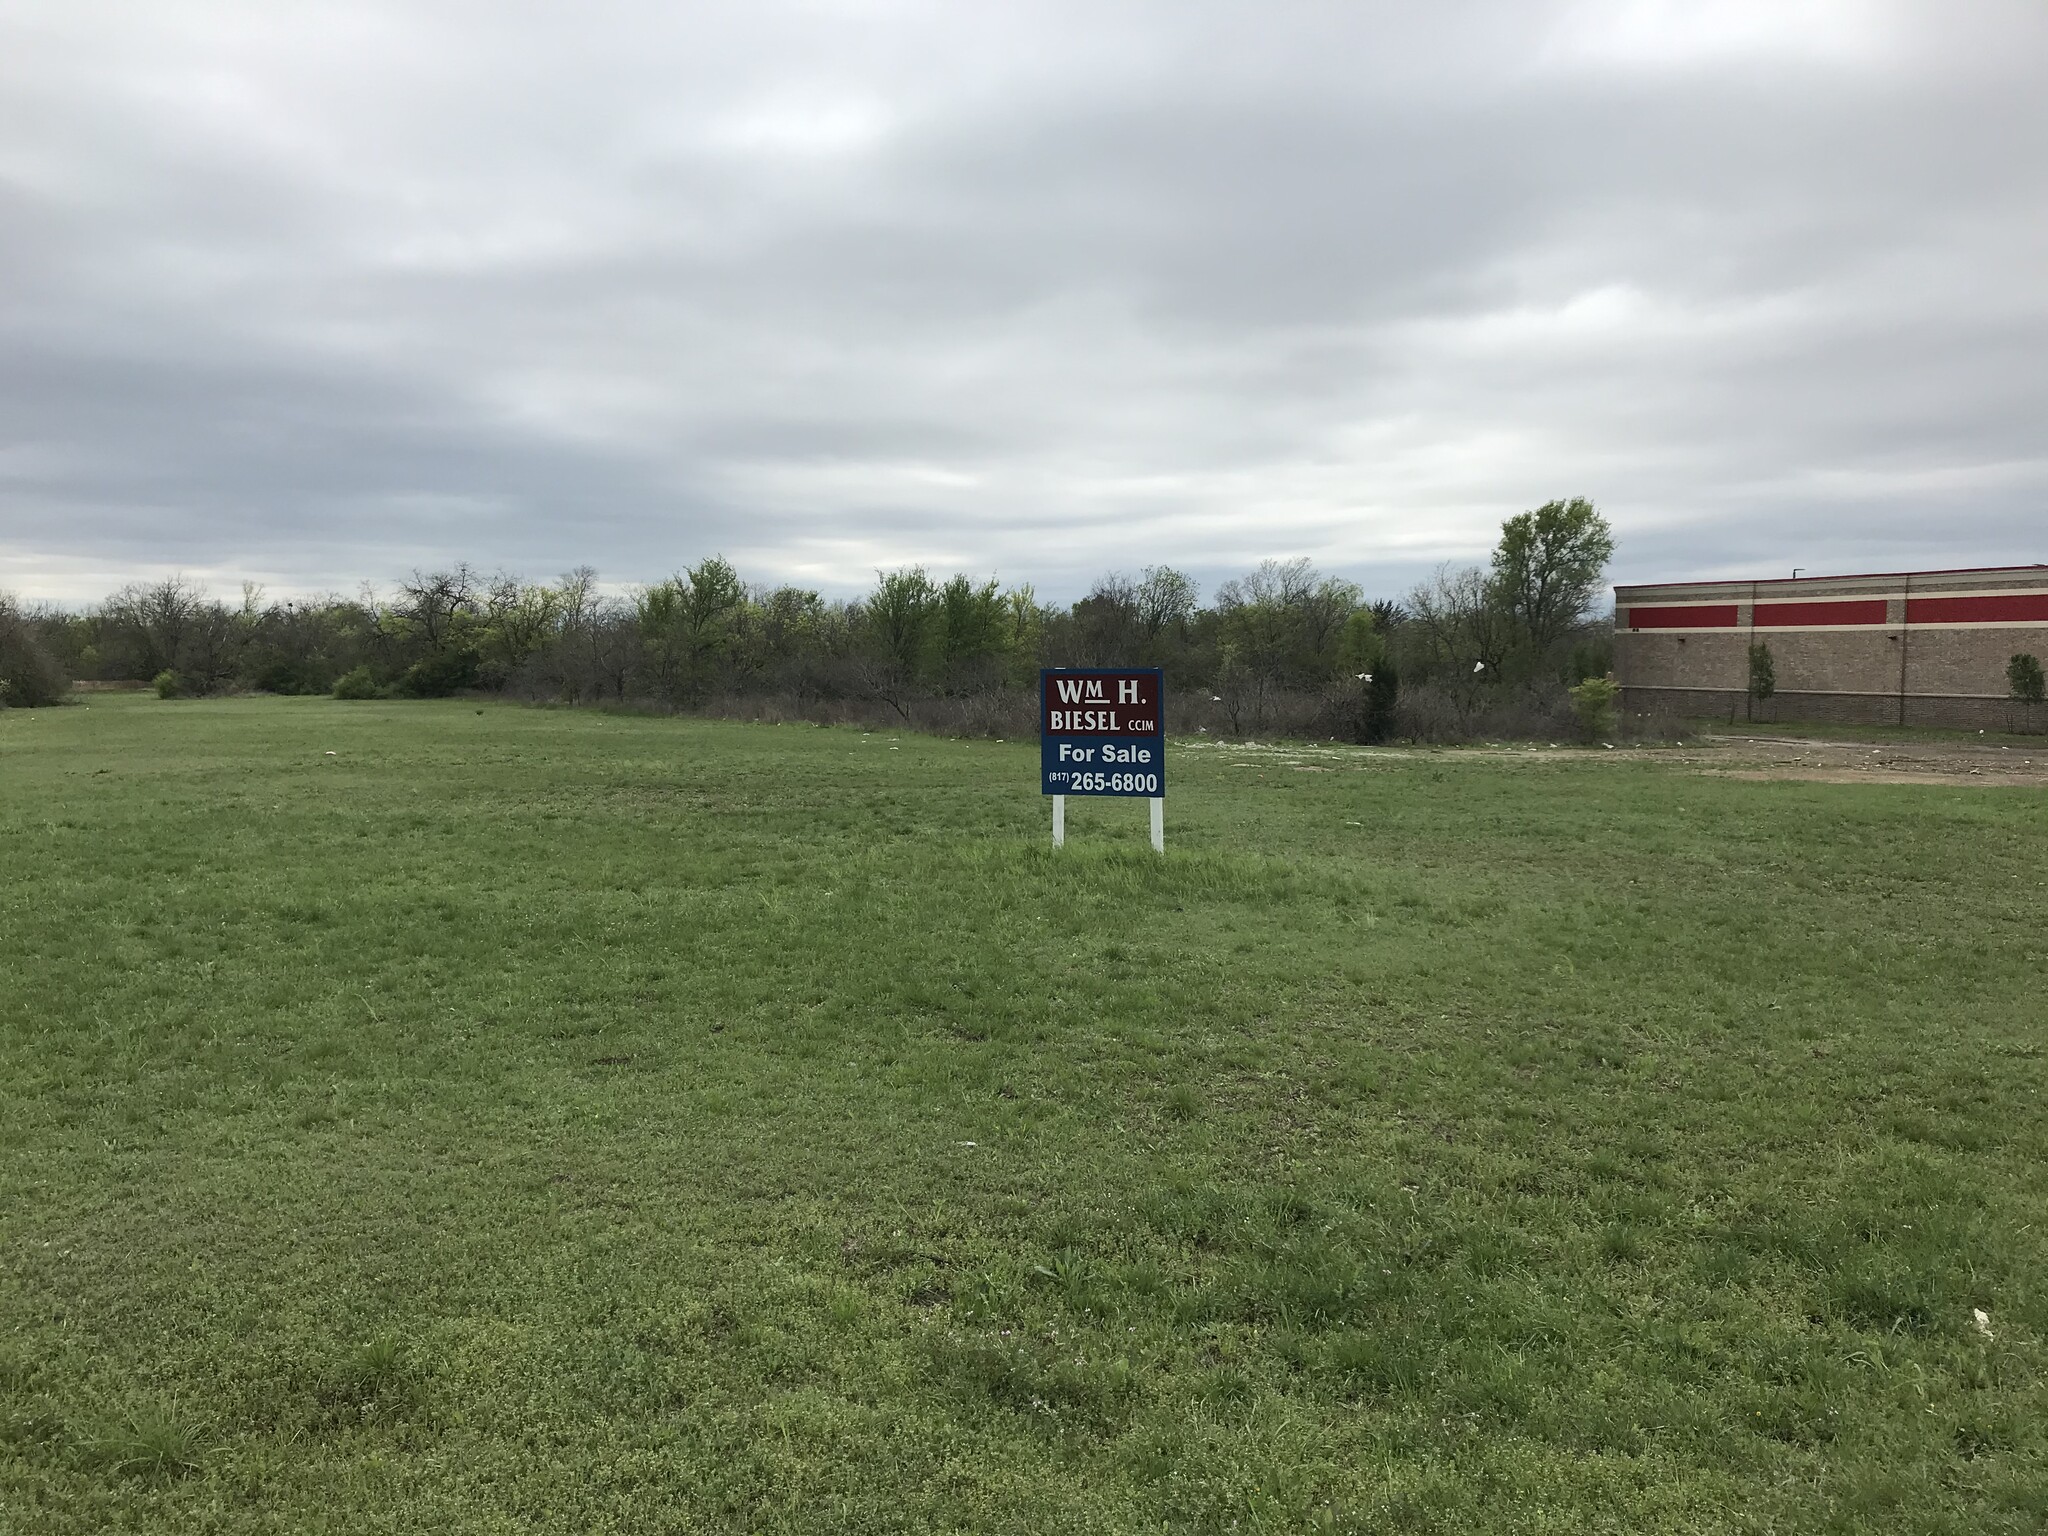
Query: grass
(544,1121)
(152,1442)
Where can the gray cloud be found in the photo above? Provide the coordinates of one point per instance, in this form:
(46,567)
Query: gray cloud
(310,296)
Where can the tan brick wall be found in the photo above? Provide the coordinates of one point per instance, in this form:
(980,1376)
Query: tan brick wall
(1967,660)
(1652,660)
(1948,676)
(1833,661)
(1731,705)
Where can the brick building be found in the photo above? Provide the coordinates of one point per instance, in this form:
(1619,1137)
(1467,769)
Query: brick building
(1914,648)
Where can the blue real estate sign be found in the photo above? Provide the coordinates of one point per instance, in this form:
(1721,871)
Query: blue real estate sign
(1102,731)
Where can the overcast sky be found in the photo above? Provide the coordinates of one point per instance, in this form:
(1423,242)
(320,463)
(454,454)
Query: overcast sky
(312,294)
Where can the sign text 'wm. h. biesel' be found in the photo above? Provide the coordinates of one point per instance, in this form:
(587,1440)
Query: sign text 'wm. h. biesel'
(1102,731)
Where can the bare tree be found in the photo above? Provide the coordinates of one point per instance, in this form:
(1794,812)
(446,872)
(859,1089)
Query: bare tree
(596,651)
(1107,622)
(1166,605)
(1457,632)
(1283,619)
(157,618)
(434,603)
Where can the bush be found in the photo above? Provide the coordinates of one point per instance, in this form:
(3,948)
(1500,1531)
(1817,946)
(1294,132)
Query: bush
(29,676)
(167,684)
(1593,702)
(2023,676)
(357,684)
(1590,658)
(290,677)
(439,675)
(1432,713)
(1382,703)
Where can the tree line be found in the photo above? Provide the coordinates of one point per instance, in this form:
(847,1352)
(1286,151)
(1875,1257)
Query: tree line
(1284,648)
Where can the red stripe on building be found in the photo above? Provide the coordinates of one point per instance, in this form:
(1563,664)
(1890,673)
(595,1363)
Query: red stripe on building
(2000,608)
(1779,615)
(1697,616)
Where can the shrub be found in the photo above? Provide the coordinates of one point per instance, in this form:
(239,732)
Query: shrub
(438,675)
(29,675)
(1382,704)
(289,677)
(2023,676)
(1593,702)
(357,684)
(167,684)
(1589,658)
(1430,712)
(1763,675)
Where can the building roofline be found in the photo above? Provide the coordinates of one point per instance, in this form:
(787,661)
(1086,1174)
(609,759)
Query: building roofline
(1786,581)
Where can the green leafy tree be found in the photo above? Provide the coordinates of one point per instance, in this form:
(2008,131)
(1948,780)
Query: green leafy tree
(658,613)
(1367,676)
(1548,568)
(1166,601)
(1360,646)
(968,634)
(896,624)
(784,638)
(899,617)
(519,620)
(1024,632)
(688,628)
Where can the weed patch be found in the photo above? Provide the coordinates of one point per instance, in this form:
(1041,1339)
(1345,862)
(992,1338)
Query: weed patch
(153,1443)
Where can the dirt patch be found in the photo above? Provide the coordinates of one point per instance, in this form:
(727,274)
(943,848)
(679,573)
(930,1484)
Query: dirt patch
(1962,764)
(1868,776)
(1953,763)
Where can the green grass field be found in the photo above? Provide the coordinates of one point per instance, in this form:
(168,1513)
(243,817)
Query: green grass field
(529,1121)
